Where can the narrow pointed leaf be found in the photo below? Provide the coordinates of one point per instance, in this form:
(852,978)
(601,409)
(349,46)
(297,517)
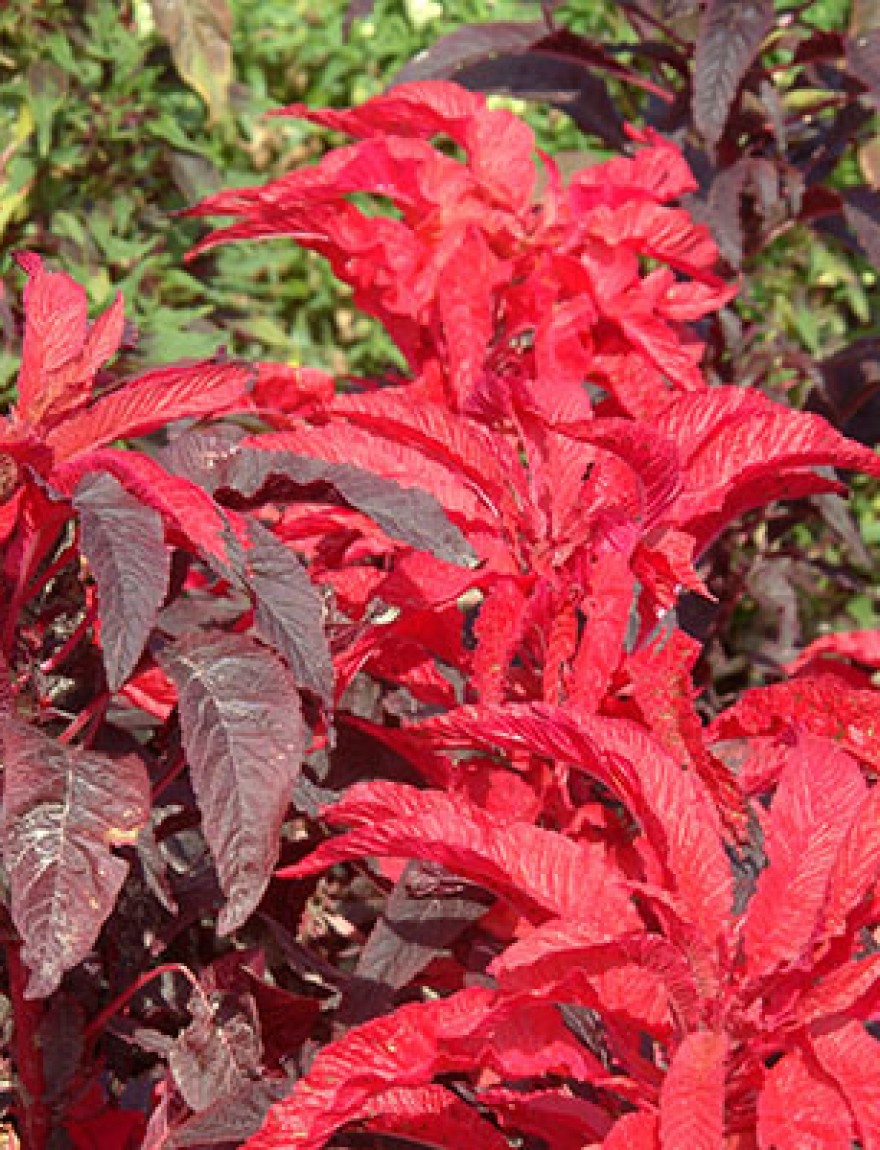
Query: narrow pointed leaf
(244,738)
(403,512)
(818,796)
(64,808)
(124,543)
(288,610)
(731,32)
(538,870)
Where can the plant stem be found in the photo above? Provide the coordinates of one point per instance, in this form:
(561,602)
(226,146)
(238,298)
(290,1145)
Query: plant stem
(32,1112)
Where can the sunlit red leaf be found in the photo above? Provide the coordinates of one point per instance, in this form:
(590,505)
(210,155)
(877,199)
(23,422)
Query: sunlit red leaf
(692,1096)
(814,806)
(798,1109)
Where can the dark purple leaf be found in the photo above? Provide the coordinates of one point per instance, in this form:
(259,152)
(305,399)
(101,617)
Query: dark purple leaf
(850,394)
(63,810)
(564,84)
(244,738)
(288,610)
(861,209)
(731,33)
(219,1048)
(418,923)
(233,1118)
(286,1020)
(124,543)
(468,45)
(404,513)
(863,57)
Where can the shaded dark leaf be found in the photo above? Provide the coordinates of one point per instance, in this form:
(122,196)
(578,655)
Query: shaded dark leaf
(565,84)
(288,610)
(404,513)
(863,57)
(244,737)
(61,1039)
(218,1049)
(468,45)
(851,390)
(124,543)
(64,808)
(731,33)
(861,210)
(414,928)
(286,1020)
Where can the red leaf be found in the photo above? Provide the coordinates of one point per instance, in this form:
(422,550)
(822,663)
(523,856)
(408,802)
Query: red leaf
(63,809)
(822,704)
(154,400)
(851,1057)
(677,815)
(692,1096)
(471,1030)
(819,794)
(244,738)
(798,1109)
(60,354)
(861,646)
(538,870)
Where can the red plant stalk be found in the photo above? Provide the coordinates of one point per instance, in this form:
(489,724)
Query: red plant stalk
(31,1108)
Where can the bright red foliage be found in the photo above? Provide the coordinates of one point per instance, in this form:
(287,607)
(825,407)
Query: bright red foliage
(680,952)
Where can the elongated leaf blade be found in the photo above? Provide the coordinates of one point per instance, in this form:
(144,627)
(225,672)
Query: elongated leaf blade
(406,513)
(288,610)
(731,32)
(244,738)
(692,1096)
(64,808)
(124,543)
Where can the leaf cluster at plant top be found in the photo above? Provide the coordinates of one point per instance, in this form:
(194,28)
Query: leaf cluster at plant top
(103,141)
(595,892)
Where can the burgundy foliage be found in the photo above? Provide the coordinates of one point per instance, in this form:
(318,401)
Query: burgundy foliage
(357,788)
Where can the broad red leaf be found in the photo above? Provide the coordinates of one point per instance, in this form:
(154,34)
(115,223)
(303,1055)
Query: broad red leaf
(692,1095)
(244,738)
(638,1131)
(433,1115)
(861,646)
(661,675)
(799,1109)
(124,544)
(472,1030)
(851,1058)
(677,814)
(63,809)
(189,514)
(154,400)
(61,351)
(818,797)
(731,32)
(823,704)
(538,870)
(650,980)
